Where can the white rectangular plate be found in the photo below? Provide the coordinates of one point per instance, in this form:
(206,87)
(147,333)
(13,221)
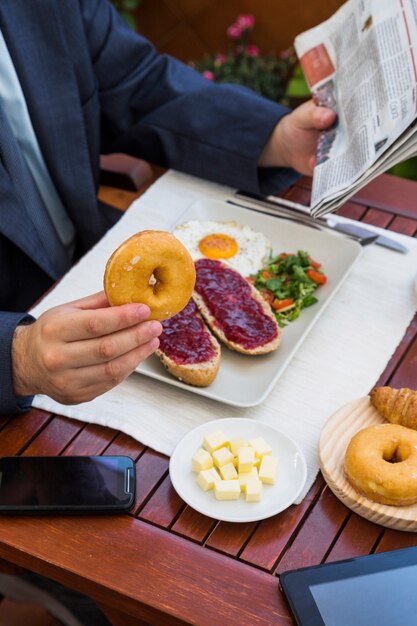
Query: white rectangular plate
(246,380)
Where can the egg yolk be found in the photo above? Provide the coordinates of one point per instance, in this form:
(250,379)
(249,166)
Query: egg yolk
(218,246)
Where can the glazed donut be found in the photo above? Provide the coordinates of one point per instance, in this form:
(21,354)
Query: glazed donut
(154,268)
(381,463)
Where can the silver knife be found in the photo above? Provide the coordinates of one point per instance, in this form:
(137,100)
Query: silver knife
(301,213)
(381,240)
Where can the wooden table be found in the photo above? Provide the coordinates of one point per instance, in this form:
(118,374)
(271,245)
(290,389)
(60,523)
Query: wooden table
(166,563)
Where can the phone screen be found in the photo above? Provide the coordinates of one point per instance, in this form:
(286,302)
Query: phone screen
(89,482)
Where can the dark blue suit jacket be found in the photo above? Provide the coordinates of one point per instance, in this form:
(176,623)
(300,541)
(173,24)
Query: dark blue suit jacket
(94,86)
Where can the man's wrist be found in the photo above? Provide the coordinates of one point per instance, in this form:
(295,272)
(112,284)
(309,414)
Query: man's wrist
(274,153)
(20,365)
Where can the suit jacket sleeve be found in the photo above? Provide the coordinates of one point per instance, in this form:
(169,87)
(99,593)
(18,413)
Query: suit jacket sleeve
(9,403)
(164,111)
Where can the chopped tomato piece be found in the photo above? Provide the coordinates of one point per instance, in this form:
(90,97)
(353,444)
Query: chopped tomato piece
(251,280)
(316,277)
(283,256)
(278,305)
(266,274)
(267,295)
(314,263)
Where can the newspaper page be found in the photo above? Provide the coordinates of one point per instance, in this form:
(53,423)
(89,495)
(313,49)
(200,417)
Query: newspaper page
(362,63)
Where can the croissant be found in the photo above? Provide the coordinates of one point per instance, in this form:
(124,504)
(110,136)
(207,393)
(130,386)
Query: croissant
(398,406)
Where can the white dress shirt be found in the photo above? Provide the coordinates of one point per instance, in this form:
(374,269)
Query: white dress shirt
(14,106)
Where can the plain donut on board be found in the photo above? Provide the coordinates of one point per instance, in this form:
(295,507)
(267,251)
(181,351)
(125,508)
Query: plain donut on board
(381,463)
(154,268)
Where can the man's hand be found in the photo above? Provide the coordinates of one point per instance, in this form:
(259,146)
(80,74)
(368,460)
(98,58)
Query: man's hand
(294,139)
(79,350)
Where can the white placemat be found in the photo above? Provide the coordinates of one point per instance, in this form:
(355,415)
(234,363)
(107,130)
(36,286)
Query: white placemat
(340,359)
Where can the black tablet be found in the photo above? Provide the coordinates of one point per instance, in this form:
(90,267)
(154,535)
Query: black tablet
(380,590)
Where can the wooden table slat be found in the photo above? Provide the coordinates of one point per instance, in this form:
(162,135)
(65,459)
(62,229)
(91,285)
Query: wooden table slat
(298,194)
(405,374)
(404,226)
(21,429)
(317,534)
(151,468)
(352,210)
(176,576)
(4,419)
(358,537)
(125,446)
(374,217)
(230,538)
(386,192)
(193,525)
(395,540)
(163,507)
(56,435)
(400,351)
(272,535)
(93,439)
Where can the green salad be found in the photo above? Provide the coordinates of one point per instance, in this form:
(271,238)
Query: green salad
(288,283)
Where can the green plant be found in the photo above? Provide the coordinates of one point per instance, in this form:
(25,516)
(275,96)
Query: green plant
(127,10)
(297,86)
(244,65)
(406,169)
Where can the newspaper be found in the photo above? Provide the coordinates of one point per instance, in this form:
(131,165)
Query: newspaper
(362,63)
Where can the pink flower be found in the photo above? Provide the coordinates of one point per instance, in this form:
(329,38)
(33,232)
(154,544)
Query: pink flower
(234,31)
(245,22)
(209,75)
(252,50)
(219,60)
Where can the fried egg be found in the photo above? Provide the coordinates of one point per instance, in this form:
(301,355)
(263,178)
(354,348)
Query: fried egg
(241,247)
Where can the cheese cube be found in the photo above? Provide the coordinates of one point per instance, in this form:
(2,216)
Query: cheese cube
(222,456)
(268,469)
(228,472)
(207,478)
(257,463)
(253,490)
(227,489)
(260,446)
(246,457)
(214,441)
(245,476)
(202,460)
(235,444)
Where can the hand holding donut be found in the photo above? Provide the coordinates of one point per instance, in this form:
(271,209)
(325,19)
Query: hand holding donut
(80,350)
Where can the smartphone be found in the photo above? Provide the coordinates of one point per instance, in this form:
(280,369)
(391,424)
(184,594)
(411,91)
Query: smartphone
(66,484)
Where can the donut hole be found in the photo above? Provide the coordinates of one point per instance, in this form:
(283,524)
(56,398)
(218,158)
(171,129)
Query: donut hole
(159,279)
(153,282)
(156,281)
(396,452)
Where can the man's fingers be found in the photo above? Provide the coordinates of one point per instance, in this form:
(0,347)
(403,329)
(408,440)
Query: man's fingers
(109,347)
(309,116)
(77,325)
(323,118)
(89,382)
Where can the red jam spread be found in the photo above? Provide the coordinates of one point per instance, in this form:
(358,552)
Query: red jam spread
(185,338)
(228,297)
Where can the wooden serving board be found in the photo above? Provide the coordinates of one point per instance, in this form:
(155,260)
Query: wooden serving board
(335,437)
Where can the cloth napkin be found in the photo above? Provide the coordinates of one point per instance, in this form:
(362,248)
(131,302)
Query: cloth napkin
(340,359)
